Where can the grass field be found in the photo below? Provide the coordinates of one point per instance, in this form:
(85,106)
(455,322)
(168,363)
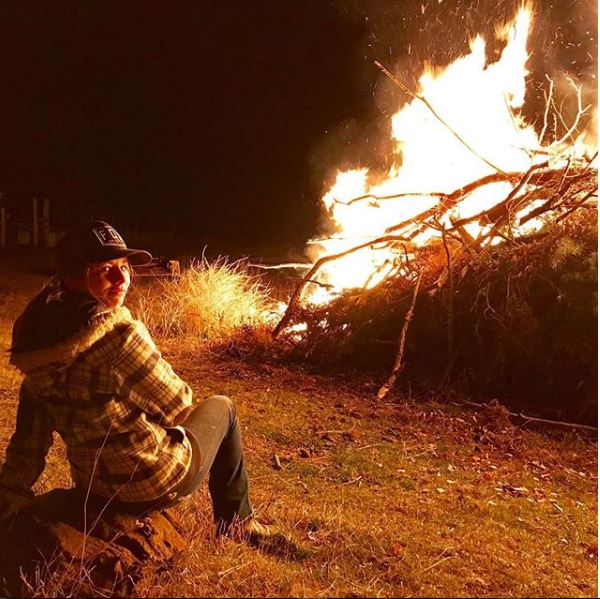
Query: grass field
(399,498)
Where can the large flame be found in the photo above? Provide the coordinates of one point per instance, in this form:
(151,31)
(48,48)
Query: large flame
(468,127)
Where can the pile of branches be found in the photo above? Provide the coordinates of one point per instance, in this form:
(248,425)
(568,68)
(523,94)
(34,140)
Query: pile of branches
(506,314)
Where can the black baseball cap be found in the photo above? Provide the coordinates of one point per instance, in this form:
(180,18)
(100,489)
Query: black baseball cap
(95,242)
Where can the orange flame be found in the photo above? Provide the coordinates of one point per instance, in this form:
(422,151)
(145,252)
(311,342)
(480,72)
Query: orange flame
(463,124)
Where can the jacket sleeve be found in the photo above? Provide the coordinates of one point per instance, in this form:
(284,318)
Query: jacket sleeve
(147,379)
(27,449)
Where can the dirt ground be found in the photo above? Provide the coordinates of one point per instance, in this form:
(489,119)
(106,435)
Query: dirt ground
(400,498)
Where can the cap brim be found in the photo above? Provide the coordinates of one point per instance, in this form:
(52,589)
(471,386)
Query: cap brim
(138,257)
(135,257)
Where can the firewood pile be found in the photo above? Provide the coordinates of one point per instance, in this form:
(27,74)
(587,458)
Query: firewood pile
(510,311)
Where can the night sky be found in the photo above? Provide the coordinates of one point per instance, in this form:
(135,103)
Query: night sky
(226,120)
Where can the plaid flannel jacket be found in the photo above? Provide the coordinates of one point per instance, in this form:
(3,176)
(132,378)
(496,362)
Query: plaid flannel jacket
(114,400)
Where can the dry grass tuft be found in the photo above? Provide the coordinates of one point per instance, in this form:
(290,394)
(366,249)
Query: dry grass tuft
(210,301)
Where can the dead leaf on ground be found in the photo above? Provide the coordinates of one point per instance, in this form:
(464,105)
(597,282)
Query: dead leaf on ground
(512,490)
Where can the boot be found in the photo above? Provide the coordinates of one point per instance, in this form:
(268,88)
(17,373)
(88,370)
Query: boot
(267,539)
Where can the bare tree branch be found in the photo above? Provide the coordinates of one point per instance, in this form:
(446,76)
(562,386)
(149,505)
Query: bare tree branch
(399,363)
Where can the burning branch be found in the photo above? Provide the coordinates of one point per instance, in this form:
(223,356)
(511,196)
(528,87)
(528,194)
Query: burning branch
(550,104)
(580,112)
(310,276)
(548,99)
(538,182)
(450,200)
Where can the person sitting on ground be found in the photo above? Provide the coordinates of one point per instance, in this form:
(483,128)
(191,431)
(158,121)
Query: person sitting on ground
(133,437)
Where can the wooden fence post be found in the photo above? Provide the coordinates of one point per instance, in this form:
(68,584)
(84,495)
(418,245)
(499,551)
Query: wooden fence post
(35,223)
(2,223)
(46,222)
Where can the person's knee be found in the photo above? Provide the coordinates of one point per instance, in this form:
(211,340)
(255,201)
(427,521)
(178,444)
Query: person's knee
(225,403)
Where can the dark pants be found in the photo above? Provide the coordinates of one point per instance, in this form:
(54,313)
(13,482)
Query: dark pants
(214,433)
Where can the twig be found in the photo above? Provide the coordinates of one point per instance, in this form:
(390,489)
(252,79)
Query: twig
(547,109)
(489,213)
(591,159)
(437,563)
(313,281)
(224,573)
(547,205)
(368,446)
(511,114)
(406,89)
(450,302)
(306,265)
(351,482)
(296,296)
(523,419)
(578,205)
(386,264)
(87,495)
(580,112)
(385,388)
(336,431)
(393,196)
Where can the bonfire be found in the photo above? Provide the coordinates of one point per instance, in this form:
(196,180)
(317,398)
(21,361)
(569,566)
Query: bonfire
(475,188)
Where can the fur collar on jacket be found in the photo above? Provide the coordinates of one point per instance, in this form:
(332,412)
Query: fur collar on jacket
(65,352)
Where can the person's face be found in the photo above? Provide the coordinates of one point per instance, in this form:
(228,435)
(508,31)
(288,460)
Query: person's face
(109,281)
